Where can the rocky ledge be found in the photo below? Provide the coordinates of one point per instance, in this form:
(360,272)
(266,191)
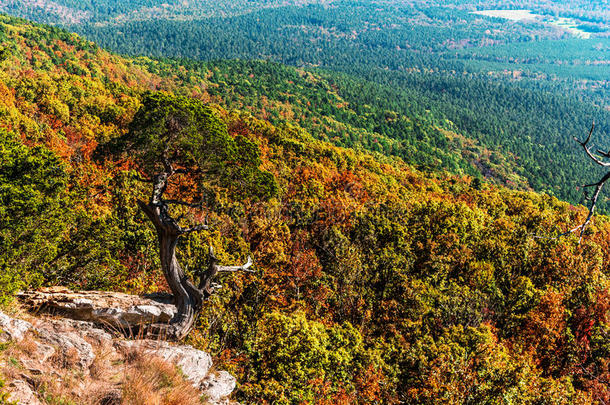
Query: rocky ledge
(86,360)
(122,312)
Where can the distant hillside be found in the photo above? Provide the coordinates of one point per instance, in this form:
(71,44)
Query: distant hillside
(374,283)
(333,107)
(517,134)
(514,92)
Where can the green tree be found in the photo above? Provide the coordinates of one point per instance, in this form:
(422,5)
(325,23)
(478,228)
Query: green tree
(304,361)
(32,182)
(183,148)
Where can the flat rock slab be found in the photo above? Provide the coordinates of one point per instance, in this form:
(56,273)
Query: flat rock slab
(112,309)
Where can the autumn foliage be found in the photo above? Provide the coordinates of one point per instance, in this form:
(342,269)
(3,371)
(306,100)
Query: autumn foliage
(375,283)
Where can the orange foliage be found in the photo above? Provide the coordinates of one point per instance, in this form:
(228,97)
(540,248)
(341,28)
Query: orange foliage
(544,330)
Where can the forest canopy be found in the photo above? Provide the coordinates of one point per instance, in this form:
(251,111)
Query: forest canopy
(376,281)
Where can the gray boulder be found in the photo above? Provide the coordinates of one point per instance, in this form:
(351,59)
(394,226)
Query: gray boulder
(74,350)
(12,329)
(22,393)
(218,386)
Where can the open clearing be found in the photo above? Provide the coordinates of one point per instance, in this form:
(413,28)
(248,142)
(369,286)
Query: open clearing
(567,24)
(514,15)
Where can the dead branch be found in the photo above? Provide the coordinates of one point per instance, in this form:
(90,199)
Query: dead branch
(598,186)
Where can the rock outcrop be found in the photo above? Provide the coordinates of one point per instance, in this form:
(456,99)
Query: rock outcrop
(12,329)
(93,349)
(115,310)
(218,385)
(22,393)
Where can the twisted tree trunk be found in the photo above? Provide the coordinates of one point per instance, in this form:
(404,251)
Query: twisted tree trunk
(187,297)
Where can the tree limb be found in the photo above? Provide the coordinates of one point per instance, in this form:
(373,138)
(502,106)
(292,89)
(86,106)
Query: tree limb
(598,188)
(244,267)
(584,145)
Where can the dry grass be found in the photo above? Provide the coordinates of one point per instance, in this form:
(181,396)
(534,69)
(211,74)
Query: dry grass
(101,393)
(27,345)
(21,349)
(149,380)
(132,377)
(64,360)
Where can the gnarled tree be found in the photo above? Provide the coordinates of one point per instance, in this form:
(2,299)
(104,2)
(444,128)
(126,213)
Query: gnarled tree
(177,141)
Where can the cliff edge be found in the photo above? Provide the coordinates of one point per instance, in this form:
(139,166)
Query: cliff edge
(51,359)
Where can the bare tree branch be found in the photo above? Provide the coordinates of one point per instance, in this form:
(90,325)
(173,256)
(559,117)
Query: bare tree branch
(598,189)
(584,145)
(206,277)
(604,154)
(244,267)
(589,185)
(598,186)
